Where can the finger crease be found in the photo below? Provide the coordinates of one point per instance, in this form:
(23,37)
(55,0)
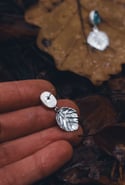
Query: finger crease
(39,166)
(1,132)
(8,177)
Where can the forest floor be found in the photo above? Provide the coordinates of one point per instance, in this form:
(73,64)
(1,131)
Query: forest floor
(100,157)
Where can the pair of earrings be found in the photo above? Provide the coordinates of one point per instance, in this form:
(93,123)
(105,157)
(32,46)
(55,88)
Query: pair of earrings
(96,38)
(66,117)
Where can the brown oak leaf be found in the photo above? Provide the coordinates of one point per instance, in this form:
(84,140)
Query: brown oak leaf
(112,140)
(117,94)
(96,113)
(64,28)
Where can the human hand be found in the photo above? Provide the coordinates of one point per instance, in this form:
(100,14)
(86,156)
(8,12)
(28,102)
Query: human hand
(32,146)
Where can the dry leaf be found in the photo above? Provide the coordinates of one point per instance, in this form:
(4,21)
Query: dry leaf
(117,85)
(117,94)
(112,140)
(16,27)
(64,27)
(96,113)
(87,167)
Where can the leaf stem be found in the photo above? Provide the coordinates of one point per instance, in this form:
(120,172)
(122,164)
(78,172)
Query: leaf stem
(81,18)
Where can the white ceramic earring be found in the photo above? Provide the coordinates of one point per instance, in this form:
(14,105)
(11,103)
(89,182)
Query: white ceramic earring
(66,117)
(96,38)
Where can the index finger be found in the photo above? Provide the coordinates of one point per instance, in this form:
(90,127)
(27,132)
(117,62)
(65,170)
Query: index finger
(21,94)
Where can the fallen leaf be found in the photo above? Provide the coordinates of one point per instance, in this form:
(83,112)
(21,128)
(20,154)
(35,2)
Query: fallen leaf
(16,27)
(112,140)
(64,28)
(117,85)
(97,112)
(88,166)
(117,95)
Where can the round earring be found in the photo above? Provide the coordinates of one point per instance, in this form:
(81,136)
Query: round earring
(66,117)
(96,38)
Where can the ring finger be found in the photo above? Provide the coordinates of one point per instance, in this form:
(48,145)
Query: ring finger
(20,148)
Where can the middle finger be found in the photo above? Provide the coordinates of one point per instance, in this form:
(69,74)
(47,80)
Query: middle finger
(26,121)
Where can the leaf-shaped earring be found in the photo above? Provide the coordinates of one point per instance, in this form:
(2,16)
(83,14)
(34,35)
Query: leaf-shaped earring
(66,117)
(96,38)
